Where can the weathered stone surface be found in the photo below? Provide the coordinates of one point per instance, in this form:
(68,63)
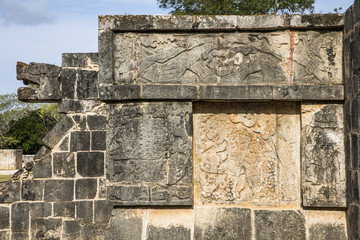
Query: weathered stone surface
(46,229)
(32,190)
(317,21)
(20,217)
(98,140)
(86,87)
(90,164)
(70,106)
(94,231)
(308,92)
(63,164)
(85,188)
(71,230)
(325,225)
(40,209)
(121,92)
(81,60)
(4,217)
(96,122)
(259,92)
(169,92)
(43,167)
(222,223)
(4,235)
(323,160)
(58,132)
(247,153)
(128,222)
(284,224)
(59,190)
(353,216)
(102,211)
(11,159)
(19,236)
(10,192)
(84,211)
(43,82)
(318,57)
(64,145)
(80,141)
(244,58)
(102,188)
(169,224)
(151,144)
(64,209)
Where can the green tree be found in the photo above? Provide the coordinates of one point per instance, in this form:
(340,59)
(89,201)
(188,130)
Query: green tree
(236,7)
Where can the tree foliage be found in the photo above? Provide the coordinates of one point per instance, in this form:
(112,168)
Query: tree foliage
(236,7)
(23,125)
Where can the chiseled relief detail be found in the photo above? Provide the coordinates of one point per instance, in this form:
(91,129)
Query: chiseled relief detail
(323,159)
(247,153)
(225,58)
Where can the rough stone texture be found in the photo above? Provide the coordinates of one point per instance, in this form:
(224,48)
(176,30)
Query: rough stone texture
(40,209)
(80,60)
(19,236)
(308,92)
(32,190)
(325,225)
(71,230)
(284,224)
(102,211)
(63,165)
(42,168)
(59,190)
(323,160)
(90,164)
(196,58)
(84,211)
(58,132)
(260,92)
(4,217)
(4,235)
(80,141)
(151,144)
(128,222)
(64,209)
(318,57)
(20,217)
(85,188)
(96,122)
(94,232)
(247,153)
(98,140)
(11,159)
(169,92)
(10,192)
(46,229)
(222,223)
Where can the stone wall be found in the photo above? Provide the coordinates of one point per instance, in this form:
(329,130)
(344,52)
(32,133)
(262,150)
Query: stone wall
(217,127)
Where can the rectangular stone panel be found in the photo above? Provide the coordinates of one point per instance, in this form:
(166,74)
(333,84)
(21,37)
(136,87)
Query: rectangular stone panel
(149,153)
(323,155)
(247,154)
(208,58)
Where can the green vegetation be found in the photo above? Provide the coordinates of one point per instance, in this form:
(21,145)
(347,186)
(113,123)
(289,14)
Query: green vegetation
(236,7)
(4,178)
(23,125)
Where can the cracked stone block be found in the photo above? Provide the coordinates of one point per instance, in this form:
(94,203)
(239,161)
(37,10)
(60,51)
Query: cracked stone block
(4,218)
(318,57)
(128,222)
(64,209)
(247,153)
(63,164)
(46,228)
(59,190)
(43,167)
(32,190)
(85,188)
(285,224)
(150,144)
(323,156)
(222,223)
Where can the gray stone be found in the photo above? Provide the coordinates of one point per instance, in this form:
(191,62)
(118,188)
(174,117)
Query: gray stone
(96,122)
(102,211)
(222,223)
(353,216)
(64,145)
(19,217)
(81,123)
(84,211)
(32,190)
(317,21)
(260,92)
(179,92)
(70,106)
(46,229)
(173,232)
(41,153)
(85,188)
(64,209)
(150,143)
(308,92)
(10,192)
(327,232)
(4,235)
(19,236)
(106,64)
(90,164)
(40,209)
(121,92)
(58,132)
(128,222)
(98,140)
(43,82)
(86,84)
(63,165)
(283,224)
(59,190)
(80,60)
(71,230)
(43,167)
(4,218)
(80,141)
(323,159)
(102,188)
(68,79)
(94,231)
(262,22)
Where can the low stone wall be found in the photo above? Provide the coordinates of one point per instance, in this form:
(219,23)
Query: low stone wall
(10,159)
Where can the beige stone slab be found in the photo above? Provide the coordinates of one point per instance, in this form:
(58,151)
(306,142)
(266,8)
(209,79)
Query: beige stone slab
(10,159)
(247,154)
(323,156)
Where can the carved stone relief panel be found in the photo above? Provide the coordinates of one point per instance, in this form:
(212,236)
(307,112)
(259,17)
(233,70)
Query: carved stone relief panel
(323,158)
(208,58)
(247,154)
(149,154)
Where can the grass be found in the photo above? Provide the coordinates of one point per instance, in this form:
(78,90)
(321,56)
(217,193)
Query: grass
(4,178)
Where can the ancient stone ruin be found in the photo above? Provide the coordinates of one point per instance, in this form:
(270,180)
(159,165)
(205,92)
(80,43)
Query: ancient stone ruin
(197,127)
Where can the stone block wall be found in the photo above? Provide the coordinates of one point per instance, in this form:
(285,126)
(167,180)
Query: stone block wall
(222,127)
(10,159)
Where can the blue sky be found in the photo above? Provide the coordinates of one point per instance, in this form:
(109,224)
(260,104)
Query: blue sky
(40,30)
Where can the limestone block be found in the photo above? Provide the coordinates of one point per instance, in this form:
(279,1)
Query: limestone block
(10,159)
(247,154)
(318,57)
(46,228)
(323,157)
(327,225)
(225,58)
(149,153)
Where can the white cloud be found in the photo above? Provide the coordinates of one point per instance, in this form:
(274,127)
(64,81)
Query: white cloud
(25,12)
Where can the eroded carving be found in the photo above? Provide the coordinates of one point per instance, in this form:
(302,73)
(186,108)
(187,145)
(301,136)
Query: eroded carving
(247,153)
